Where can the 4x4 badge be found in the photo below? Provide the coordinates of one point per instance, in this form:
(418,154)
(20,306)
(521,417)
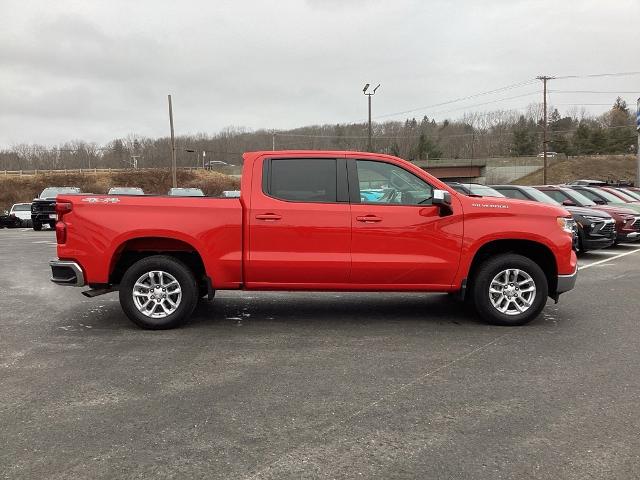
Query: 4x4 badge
(101,200)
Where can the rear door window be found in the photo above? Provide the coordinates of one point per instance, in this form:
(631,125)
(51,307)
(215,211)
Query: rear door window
(302,180)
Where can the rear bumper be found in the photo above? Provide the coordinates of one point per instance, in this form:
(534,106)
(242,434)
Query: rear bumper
(567,282)
(66,272)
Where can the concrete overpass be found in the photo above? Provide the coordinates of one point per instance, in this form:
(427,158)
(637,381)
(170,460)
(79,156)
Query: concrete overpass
(481,170)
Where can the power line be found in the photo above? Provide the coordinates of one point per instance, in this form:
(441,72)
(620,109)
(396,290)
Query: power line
(611,92)
(598,75)
(459,99)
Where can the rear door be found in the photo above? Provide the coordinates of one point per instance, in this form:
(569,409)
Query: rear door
(399,239)
(299,224)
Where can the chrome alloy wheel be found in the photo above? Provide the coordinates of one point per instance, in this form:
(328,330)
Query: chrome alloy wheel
(157,294)
(512,291)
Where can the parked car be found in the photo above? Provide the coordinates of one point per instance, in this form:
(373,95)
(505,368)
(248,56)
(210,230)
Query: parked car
(216,164)
(631,193)
(8,220)
(125,191)
(231,193)
(627,221)
(549,154)
(43,208)
(301,225)
(589,183)
(602,197)
(594,229)
(23,212)
(185,192)
(624,197)
(474,189)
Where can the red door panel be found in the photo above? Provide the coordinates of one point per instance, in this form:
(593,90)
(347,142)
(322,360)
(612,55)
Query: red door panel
(406,245)
(300,244)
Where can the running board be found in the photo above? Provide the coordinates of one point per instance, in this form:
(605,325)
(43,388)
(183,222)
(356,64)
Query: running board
(94,292)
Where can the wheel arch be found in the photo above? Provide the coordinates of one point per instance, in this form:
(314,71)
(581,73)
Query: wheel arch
(133,249)
(540,253)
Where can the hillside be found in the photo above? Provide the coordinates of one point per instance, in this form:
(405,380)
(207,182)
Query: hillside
(14,189)
(613,167)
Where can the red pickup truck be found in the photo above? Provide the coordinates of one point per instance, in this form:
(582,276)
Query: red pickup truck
(316,220)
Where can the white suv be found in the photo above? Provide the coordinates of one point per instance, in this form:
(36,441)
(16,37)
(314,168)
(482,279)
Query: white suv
(23,212)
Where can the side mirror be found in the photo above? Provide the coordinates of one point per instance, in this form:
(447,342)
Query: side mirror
(599,201)
(442,199)
(569,203)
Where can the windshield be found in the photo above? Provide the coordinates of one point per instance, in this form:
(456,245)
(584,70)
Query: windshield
(631,193)
(22,207)
(625,196)
(609,197)
(483,190)
(579,198)
(539,196)
(52,192)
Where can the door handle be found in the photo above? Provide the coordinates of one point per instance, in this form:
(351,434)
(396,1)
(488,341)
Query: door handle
(268,216)
(369,219)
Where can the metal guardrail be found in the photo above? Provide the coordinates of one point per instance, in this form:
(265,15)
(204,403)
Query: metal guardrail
(83,171)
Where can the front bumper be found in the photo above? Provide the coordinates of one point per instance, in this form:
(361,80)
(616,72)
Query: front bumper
(66,272)
(567,282)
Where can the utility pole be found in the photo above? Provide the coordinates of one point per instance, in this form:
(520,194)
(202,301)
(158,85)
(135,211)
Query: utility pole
(544,132)
(638,146)
(369,95)
(173,147)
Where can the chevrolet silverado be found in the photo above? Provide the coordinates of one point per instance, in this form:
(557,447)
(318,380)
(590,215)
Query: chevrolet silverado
(316,221)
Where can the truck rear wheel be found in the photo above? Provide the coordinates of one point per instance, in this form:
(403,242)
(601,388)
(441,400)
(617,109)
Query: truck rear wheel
(158,292)
(510,290)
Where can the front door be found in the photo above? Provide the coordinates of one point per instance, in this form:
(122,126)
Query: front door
(399,239)
(299,224)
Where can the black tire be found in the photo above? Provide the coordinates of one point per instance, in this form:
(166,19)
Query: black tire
(37,226)
(52,225)
(180,272)
(486,273)
(581,249)
(203,291)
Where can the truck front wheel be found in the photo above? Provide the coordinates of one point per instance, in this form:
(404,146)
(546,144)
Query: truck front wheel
(510,290)
(37,226)
(158,292)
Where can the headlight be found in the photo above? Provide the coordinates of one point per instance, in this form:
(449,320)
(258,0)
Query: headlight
(594,219)
(567,224)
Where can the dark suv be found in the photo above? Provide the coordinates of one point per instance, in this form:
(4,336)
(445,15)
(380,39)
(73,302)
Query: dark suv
(596,229)
(627,221)
(43,208)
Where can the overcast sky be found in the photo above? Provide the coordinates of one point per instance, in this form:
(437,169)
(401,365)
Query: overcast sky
(96,70)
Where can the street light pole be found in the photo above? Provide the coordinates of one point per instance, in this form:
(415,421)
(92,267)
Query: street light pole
(173,147)
(369,95)
(544,133)
(638,147)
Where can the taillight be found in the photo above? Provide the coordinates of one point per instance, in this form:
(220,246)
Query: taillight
(61,232)
(62,208)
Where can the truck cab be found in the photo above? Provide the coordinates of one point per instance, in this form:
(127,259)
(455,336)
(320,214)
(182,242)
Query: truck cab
(317,220)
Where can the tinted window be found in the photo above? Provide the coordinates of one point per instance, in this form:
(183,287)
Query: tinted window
(303,180)
(539,196)
(386,183)
(513,193)
(556,195)
(590,195)
(22,208)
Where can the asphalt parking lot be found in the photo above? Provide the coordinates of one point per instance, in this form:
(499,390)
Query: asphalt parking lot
(276,385)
